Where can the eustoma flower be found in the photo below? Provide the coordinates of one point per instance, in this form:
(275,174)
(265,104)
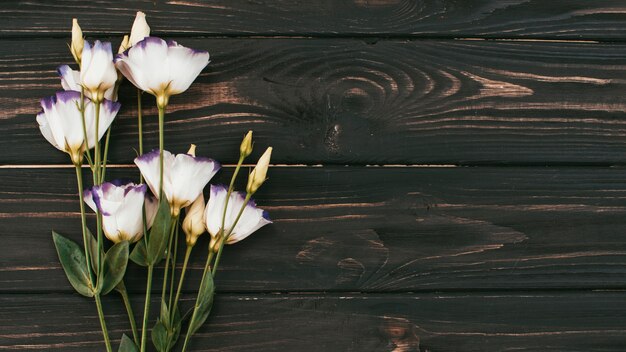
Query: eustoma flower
(61,122)
(70,80)
(251,219)
(97,71)
(184,176)
(121,205)
(161,68)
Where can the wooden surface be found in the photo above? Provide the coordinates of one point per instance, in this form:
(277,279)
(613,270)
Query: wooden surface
(434,191)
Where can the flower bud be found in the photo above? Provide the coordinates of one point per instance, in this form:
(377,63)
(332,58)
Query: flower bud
(258,174)
(192,150)
(125,45)
(140,29)
(246,145)
(193,225)
(77,41)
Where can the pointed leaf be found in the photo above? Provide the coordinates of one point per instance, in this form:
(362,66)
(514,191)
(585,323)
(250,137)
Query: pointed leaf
(74,264)
(159,233)
(92,245)
(113,267)
(175,329)
(165,313)
(159,336)
(139,254)
(127,345)
(204,303)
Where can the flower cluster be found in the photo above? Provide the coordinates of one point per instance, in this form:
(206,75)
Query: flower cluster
(142,220)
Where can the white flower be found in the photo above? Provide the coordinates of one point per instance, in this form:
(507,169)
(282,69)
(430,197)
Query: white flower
(193,225)
(140,29)
(121,205)
(70,80)
(184,176)
(161,68)
(61,122)
(97,71)
(251,219)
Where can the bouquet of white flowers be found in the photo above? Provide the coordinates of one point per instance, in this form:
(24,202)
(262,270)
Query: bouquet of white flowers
(146,216)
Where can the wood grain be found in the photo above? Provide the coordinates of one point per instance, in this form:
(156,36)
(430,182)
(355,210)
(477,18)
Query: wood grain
(355,102)
(368,229)
(481,322)
(570,19)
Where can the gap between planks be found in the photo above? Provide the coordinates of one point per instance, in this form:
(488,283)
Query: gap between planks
(130,166)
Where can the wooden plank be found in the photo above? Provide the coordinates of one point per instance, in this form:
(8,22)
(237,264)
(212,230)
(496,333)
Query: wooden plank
(368,229)
(431,322)
(571,19)
(351,102)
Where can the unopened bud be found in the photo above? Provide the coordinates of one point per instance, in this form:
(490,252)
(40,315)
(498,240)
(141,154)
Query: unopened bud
(125,45)
(140,29)
(246,145)
(258,174)
(192,150)
(214,244)
(77,41)
(193,225)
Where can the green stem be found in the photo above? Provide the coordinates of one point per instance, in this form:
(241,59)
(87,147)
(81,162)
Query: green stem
(172,276)
(167,258)
(81,108)
(83,219)
(106,152)
(225,238)
(146,309)
(180,282)
(161,148)
(139,121)
(131,315)
(96,177)
(195,308)
(97,144)
(103,324)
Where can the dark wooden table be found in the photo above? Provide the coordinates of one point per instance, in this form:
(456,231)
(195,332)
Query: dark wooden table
(449,174)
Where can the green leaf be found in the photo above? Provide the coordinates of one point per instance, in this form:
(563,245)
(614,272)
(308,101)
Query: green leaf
(159,336)
(139,254)
(74,264)
(204,302)
(113,267)
(92,245)
(175,329)
(159,233)
(127,345)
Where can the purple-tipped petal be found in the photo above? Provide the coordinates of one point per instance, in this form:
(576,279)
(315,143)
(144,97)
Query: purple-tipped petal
(148,157)
(67,95)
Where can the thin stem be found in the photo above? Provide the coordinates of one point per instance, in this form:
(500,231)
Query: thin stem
(103,324)
(146,308)
(219,253)
(106,152)
(81,108)
(96,177)
(180,281)
(230,190)
(131,315)
(174,253)
(139,121)
(195,308)
(167,259)
(83,219)
(140,128)
(161,148)
(97,144)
